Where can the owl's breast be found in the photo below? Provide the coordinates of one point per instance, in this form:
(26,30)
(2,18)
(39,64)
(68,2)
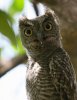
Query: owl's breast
(39,83)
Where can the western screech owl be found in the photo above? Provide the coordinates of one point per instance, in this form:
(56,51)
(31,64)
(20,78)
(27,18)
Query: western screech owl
(50,74)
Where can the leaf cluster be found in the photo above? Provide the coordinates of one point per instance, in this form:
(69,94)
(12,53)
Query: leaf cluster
(6,25)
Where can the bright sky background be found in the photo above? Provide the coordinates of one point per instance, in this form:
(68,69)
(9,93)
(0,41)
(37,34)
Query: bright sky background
(12,85)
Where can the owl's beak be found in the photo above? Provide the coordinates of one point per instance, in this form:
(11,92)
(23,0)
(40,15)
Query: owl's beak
(40,38)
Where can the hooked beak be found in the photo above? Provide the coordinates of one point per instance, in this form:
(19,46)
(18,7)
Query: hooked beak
(40,38)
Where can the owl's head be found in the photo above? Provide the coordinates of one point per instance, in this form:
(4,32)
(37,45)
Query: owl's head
(41,33)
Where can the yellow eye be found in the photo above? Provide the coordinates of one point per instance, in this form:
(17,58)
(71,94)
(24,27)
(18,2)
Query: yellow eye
(48,26)
(28,32)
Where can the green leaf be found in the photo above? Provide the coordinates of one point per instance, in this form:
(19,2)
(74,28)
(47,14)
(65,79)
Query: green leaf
(20,48)
(16,6)
(6,28)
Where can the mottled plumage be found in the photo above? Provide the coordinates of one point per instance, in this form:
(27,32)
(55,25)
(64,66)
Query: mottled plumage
(50,74)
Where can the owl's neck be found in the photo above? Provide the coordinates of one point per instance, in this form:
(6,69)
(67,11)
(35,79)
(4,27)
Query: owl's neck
(42,57)
(44,54)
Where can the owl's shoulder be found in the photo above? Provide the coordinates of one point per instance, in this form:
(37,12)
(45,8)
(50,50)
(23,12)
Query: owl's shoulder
(62,71)
(61,55)
(60,61)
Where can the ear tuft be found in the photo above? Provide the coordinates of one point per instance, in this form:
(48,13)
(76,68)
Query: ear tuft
(51,13)
(22,20)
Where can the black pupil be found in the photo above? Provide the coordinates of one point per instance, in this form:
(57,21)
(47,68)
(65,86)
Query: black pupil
(48,26)
(28,31)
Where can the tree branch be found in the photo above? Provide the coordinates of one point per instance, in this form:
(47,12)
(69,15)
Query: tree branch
(36,8)
(6,66)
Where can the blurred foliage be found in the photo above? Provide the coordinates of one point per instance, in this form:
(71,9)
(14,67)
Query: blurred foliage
(16,6)
(6,25)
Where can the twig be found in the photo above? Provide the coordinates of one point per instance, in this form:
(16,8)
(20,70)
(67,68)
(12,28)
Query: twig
(8,65)
(36,9)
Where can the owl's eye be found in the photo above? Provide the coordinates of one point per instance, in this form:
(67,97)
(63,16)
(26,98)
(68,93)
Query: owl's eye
(48,26)
(28,32)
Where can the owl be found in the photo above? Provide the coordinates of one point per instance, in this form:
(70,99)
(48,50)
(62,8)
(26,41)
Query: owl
(50,74)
